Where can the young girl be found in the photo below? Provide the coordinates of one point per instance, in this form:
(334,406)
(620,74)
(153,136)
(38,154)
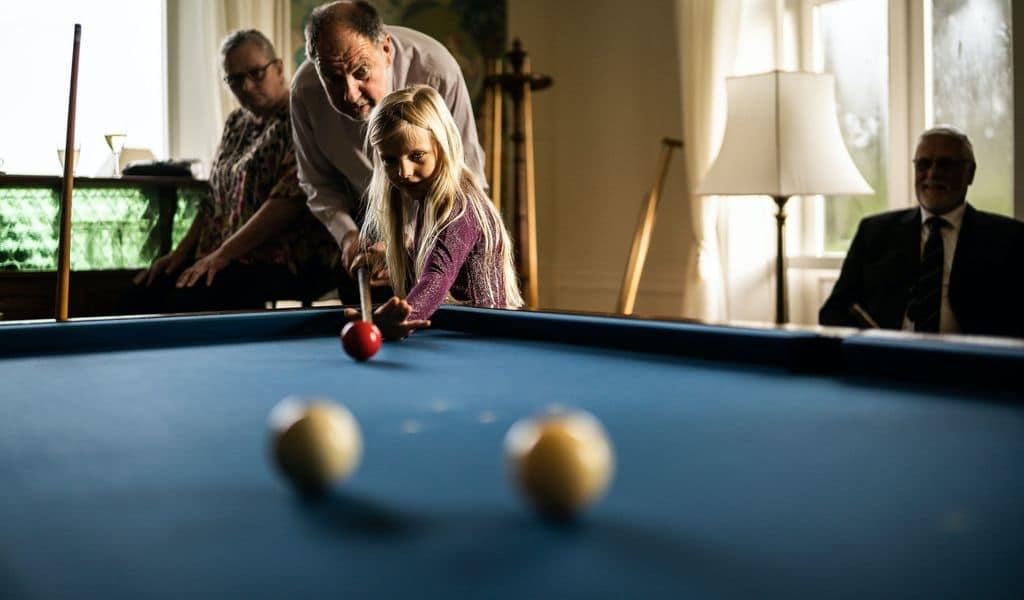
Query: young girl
(460,248)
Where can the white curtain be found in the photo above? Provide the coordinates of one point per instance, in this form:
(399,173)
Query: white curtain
(198,101)
(271,17)
(746,224)
(708,32)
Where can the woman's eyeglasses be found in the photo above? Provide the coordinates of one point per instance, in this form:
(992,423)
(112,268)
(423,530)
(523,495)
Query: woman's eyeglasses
(257,75)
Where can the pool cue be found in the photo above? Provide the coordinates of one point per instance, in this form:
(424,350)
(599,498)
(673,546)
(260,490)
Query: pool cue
(530,216)
(365,304)
(64,241)
(642,237)
(862,316)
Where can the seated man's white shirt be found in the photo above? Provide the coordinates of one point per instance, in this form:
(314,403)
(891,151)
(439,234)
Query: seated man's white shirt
(950,235)
(334,161)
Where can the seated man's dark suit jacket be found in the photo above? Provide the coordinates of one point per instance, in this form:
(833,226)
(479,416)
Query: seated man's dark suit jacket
(986,283)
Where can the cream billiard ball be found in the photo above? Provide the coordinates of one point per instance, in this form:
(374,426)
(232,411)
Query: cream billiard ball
(315,443)
(560,462)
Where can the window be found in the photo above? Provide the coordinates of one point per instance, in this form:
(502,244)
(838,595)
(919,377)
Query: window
(852,44)
(121,90)
(120,83)
(966,78)
(972,82)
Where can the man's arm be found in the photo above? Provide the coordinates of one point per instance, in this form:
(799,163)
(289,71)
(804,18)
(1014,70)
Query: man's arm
(328,194)
(849,287)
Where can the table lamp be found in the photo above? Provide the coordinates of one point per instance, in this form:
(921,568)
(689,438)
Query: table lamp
(782,139)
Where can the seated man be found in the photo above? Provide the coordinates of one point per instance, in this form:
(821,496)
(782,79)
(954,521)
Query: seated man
(943,267)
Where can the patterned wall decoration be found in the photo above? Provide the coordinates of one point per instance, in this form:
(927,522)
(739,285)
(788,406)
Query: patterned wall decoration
(472,30)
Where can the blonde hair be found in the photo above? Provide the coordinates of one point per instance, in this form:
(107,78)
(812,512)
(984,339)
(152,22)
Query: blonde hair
(454,190)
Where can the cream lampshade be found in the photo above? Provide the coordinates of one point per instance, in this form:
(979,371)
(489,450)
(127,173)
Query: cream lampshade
(782,139)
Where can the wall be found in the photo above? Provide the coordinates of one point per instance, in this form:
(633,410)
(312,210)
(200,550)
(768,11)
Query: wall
(598,134)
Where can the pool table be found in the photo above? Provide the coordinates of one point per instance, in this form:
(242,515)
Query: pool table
(751,462)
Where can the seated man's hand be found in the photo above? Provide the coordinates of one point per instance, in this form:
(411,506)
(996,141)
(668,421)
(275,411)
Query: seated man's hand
(207,267)
(165,265)
(392,318)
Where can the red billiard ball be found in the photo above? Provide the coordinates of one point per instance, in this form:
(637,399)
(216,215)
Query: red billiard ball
(360,339)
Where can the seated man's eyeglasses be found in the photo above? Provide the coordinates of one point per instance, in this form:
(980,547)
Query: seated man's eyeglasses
(257,75)
(942,164)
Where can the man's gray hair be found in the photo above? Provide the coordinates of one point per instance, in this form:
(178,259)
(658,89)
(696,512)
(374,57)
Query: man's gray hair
(360,17)
(239,37)
(951,132)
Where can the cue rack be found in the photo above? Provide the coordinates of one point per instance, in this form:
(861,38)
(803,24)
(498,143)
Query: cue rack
(519,83)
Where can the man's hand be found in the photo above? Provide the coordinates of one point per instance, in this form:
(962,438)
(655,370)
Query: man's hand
(207,266)
(372,257)
(392,319)
(349,249)
(165,265)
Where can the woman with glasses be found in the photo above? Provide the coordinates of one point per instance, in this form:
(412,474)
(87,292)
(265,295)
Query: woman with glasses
(253,240)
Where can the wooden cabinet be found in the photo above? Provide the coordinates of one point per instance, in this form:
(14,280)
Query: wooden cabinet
(32,294)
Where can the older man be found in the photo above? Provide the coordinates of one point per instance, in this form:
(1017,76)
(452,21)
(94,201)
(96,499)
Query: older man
(941,267)
(354,60)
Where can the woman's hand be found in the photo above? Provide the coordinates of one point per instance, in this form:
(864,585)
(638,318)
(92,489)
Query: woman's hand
(207,266)
(165,265)
(392,318)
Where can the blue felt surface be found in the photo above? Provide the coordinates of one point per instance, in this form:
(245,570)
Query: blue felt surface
(144,474)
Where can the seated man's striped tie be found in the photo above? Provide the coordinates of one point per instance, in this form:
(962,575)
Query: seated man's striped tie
(926,295)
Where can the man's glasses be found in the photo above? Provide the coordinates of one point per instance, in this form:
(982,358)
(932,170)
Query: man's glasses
(942,164)
(257,75)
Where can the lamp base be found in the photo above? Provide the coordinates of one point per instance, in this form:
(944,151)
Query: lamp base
(781,305)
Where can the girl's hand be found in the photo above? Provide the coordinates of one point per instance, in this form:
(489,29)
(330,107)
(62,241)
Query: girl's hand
(392,318)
